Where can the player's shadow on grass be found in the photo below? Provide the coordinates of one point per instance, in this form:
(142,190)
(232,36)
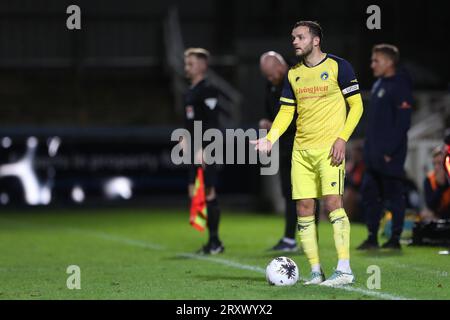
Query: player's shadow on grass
(215,277)
(381,253)
(177,257)
(272,254)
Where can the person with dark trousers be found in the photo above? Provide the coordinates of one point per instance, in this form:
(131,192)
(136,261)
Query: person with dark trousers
(274,68)
(447,154)
(385,148)
(354,172)
(201,104)
(437,187)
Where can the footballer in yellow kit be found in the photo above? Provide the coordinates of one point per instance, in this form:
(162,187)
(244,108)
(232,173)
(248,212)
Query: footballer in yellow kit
(319,88)
(322,113)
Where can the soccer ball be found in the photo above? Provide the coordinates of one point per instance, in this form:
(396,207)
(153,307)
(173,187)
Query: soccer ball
(282,271)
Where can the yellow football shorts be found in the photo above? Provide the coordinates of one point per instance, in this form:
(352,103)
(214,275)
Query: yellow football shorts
(312,175)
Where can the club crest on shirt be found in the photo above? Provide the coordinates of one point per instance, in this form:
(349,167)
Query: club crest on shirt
(381,93)
(190,112)
(211,103)
(324,75)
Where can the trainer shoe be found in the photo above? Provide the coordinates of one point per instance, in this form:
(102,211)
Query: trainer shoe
(316,278)
(368,245)
(211,249)
(339,278)
(392,244)
(282,245)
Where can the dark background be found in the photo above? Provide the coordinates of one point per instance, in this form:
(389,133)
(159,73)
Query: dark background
(109,83)
(112,71)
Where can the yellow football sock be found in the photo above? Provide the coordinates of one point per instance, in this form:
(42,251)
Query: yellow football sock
(341,228)
(308,238)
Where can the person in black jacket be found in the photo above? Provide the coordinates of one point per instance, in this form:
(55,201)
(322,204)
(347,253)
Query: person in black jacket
(274,68)
(385,147)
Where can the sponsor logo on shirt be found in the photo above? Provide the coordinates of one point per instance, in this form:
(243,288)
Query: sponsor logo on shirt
(313,90)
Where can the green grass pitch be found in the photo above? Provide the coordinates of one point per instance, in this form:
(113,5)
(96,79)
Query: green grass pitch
(147,254)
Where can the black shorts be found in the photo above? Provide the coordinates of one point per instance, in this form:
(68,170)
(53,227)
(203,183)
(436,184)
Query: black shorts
(285,167)
(209,174)
(285,176)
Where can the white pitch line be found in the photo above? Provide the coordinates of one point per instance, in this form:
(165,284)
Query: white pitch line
(223,261)
(377,294)
(233,264)
(132,242)
(148,245)
(120,239)
(438,273)
(241,266)
(382,295)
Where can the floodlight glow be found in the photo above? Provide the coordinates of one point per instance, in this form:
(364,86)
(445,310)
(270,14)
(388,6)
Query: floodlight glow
(35,193)
(53,146)
(78,194)
(4,198)
(118,187)
(6,142)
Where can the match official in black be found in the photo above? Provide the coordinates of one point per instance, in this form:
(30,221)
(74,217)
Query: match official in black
(201,104)
(385,148)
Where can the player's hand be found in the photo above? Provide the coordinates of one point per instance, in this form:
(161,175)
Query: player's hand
(262,144)
(265,124)
(387,159)
(337,152)
(191,189)
(199,157)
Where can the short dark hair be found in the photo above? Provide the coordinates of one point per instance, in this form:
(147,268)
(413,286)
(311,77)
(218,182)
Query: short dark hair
(197,52)
(389,50)
(314,28)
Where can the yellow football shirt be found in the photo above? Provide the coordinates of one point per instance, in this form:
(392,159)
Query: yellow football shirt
(319,95)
